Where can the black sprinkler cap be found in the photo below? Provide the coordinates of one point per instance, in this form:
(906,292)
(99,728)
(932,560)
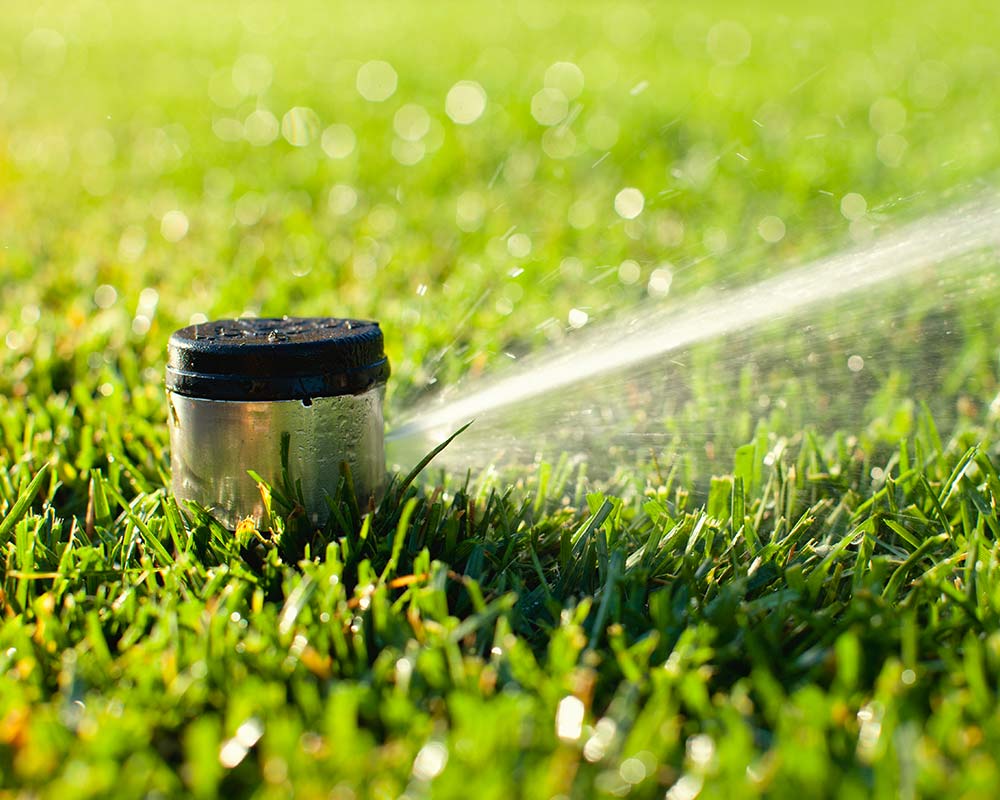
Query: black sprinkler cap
(292,358)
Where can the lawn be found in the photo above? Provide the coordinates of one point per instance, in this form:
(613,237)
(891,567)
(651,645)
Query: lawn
(810,610)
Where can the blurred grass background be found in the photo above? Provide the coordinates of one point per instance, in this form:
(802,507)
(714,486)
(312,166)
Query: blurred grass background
(179,150)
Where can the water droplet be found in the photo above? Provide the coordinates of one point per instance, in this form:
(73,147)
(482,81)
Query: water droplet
(141,325)
(715,240)
(382,219)
(261,127)
(853,206)
(549,107)
(698,167)
(701,749)
(250,208)
(629,203)
(300,126)
(132,244)
(862,230)
(565,76)
(105,296)
(597,745)
(408,153)
(430,761)
(14,339)
(629,272)
(514,292)
(569,718)
(465,103)
(582,214)
(519,245)
(571,268)
(411,122)
(887,115)
(377,81)
(688,787)
(338,141)
(30,314)
(342,199)
(660,281)
(174,225)
(559,143)
(469,211)
(771,229)
(890,149)
(632,771)
(519,169)
(234,750)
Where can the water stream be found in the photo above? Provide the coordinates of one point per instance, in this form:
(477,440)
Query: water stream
(902,307)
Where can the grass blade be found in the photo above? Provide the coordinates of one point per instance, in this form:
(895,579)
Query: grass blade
(23,503)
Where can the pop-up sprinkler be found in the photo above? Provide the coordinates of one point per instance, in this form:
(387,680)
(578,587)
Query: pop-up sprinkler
(237,388)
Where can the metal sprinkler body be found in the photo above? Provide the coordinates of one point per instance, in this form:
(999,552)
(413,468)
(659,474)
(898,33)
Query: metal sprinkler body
(240,392)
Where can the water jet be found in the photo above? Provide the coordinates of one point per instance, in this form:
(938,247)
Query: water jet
(574,397)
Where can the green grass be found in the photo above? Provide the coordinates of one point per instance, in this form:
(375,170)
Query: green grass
(817,615)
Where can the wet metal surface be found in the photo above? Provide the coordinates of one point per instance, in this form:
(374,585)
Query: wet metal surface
(214,442)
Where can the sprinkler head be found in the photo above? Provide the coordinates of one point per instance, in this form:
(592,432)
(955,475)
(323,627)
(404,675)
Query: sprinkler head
(250,394)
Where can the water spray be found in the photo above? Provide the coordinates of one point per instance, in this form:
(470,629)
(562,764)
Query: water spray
(541,387)
(295,397)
